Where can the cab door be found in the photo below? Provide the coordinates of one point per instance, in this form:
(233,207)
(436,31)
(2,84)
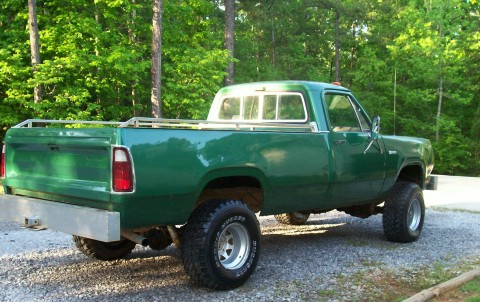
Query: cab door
(359,170)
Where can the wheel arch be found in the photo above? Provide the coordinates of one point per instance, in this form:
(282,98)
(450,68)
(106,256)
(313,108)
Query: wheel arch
(244,184)
(412,172)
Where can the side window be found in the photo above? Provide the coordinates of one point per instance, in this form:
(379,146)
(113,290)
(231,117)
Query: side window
(343,117)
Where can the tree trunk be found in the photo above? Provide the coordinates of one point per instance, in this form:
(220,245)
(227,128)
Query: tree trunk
(156,58)
(352,54)
(337,47)
(439,109)
(229,38)
(274,46)
(34,45)
(97,52)
(440,84)
(133,41)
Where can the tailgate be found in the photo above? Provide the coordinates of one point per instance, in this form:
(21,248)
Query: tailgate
(55,163)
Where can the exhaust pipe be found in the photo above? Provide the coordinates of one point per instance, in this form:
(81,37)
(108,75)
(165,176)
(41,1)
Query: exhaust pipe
(138,239)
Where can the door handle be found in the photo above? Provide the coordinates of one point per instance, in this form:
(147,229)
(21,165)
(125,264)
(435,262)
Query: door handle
(340,141)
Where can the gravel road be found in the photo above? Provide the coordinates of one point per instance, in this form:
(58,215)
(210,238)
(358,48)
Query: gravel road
(297,263)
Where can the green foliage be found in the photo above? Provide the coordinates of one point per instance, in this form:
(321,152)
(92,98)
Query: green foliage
(452,151)
(193,59)
(96,58)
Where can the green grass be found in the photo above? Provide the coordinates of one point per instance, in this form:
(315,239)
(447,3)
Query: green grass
(437,274)
(471,288)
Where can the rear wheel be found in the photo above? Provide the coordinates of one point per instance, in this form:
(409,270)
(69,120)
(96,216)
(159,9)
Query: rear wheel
(221,244)
(293,218)
(404,213)
(100,250)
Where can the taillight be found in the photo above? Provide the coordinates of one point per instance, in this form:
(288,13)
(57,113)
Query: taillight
(4,158)
(122,172)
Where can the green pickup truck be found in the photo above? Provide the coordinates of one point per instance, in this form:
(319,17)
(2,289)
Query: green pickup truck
(288,148)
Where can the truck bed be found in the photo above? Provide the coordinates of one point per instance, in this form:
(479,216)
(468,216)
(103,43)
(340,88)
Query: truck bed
(174,160)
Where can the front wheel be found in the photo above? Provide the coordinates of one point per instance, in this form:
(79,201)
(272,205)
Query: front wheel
(404,213)
(221,244)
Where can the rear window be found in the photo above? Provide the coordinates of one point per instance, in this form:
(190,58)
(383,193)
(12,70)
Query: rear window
(285,107)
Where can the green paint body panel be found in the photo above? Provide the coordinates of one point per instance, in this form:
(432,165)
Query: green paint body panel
(296,170)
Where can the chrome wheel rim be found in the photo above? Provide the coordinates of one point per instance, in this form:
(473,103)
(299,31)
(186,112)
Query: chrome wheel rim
(233,246)
(414,215)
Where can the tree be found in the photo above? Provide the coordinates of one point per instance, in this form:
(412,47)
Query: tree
(230,38)
(433,92)
(34,45)
(156,58)
(337,47)
(194,57)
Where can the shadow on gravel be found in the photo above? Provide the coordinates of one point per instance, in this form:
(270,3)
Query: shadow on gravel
(159,275)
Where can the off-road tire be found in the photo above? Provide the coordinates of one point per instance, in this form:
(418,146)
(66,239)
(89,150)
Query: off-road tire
(107,251)
(404,213)
(221,244)
(293,218)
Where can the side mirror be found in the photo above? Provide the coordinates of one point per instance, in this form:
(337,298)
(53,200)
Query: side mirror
(375,128)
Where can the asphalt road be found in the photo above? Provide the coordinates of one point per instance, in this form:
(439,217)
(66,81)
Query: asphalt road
(455,193)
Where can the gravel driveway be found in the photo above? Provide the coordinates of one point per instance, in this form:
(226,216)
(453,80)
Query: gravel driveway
(297,263)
